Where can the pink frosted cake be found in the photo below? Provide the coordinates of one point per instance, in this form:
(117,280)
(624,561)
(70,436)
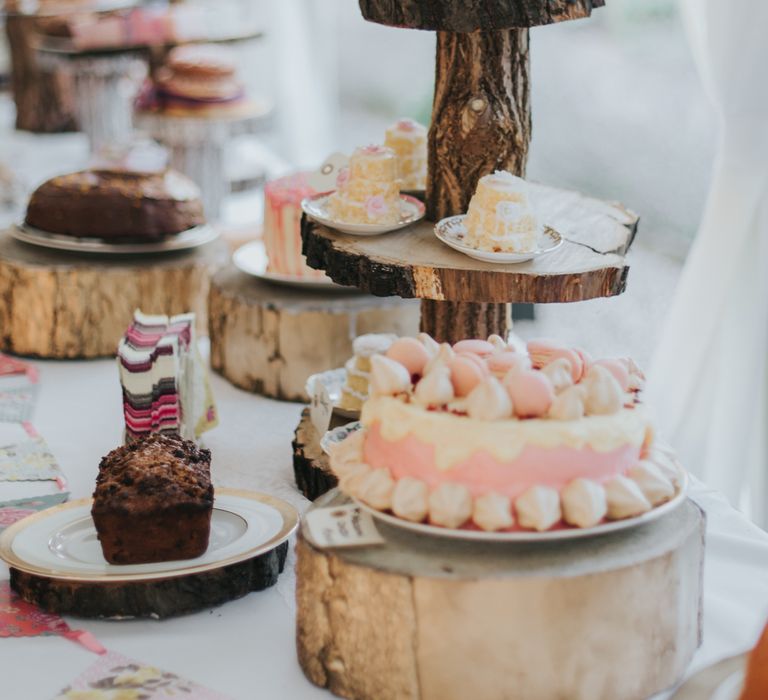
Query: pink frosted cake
(282,226)
(480,435)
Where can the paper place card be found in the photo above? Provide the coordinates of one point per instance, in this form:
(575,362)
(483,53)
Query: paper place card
(341,526)
(17,403)
(30,460)
(325,178)
(321,409)
(114,677)
(13,511)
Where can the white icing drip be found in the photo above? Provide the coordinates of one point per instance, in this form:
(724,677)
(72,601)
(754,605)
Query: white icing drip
(457,438)
(372,344)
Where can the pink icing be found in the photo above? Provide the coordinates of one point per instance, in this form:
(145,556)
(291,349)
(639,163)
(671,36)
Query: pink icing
(482,472)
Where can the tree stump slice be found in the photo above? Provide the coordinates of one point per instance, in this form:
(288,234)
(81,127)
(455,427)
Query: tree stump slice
(159,599)
(270,338)
(63,305)
(412,262)
(613,617)
(469,15)
(44,98)
(311,468)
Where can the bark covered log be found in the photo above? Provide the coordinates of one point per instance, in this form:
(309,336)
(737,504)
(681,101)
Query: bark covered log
(469,15)
(160,599)
(63,305)
(451,321)
(430,618)
(44,98)
(311,468)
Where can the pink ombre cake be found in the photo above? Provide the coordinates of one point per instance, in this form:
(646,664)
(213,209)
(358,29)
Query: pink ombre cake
(481,435)
(282,226)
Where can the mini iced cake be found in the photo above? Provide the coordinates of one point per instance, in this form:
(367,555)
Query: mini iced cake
(480,435)
(196,80)
(282,226)
(408,139)
(368,192)
(500,218)
(358,367)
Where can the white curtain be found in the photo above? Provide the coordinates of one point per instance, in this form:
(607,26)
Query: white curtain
(708,379)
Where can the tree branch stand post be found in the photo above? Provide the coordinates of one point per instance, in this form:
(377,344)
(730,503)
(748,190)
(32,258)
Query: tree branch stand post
(65,305)
(615,617)
(270,338)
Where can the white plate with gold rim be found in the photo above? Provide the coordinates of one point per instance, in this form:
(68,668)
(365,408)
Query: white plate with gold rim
(316,208)
(61,542)
(452,232)
(186,240)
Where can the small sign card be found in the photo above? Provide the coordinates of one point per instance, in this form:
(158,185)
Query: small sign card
(342,526)
(321,409)
(326,177)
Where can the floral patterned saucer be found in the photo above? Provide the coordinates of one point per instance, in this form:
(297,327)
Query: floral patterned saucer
(411,211)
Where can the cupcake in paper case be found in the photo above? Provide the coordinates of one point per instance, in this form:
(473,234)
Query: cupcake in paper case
(500,217)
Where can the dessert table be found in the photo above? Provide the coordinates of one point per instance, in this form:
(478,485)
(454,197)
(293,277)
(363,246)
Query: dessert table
(246,648)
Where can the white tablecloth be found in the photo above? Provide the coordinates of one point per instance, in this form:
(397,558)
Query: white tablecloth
(246,648)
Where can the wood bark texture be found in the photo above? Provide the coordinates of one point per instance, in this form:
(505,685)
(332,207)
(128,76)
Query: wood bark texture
(414,263)
(423,618)
(451,321)
(44,99)
(481,115)
(269,339)
(310,464)
(158,599)
(469,15)
(61,305)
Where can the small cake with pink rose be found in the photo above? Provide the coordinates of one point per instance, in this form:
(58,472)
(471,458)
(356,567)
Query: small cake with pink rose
(481,435)
(282,226)
(500,218)
(367,191)
(408,139)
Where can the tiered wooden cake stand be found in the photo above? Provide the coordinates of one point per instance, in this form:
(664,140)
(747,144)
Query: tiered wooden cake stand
(65,305)
(611,618)
(269,338)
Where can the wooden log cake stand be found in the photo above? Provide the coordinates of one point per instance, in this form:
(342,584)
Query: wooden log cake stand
(161,598)
(270,338)
(481,122)
(311,467)
(64,305)
(613,617)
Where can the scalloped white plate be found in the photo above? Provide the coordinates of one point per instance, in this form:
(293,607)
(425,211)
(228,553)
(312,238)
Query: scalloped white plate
(316,208)
(451,231)
(192,238)
(333,380)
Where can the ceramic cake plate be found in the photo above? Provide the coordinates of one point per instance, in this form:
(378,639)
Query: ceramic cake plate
(451,231)
(316,208)
(186,240)
(251,259)
(341,433)
(60,543)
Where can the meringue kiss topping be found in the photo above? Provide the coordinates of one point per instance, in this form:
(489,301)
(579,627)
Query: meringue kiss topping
(489,401)
(388,378)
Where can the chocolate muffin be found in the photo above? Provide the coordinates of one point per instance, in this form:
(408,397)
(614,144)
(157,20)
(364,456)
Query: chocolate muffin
(153,501)
(116,205)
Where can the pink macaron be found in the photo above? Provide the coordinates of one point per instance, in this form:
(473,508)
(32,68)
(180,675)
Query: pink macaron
(531,393)
(503,362)
(476,346)
(542,352)
(466,374)
(619,371)
(410,353)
